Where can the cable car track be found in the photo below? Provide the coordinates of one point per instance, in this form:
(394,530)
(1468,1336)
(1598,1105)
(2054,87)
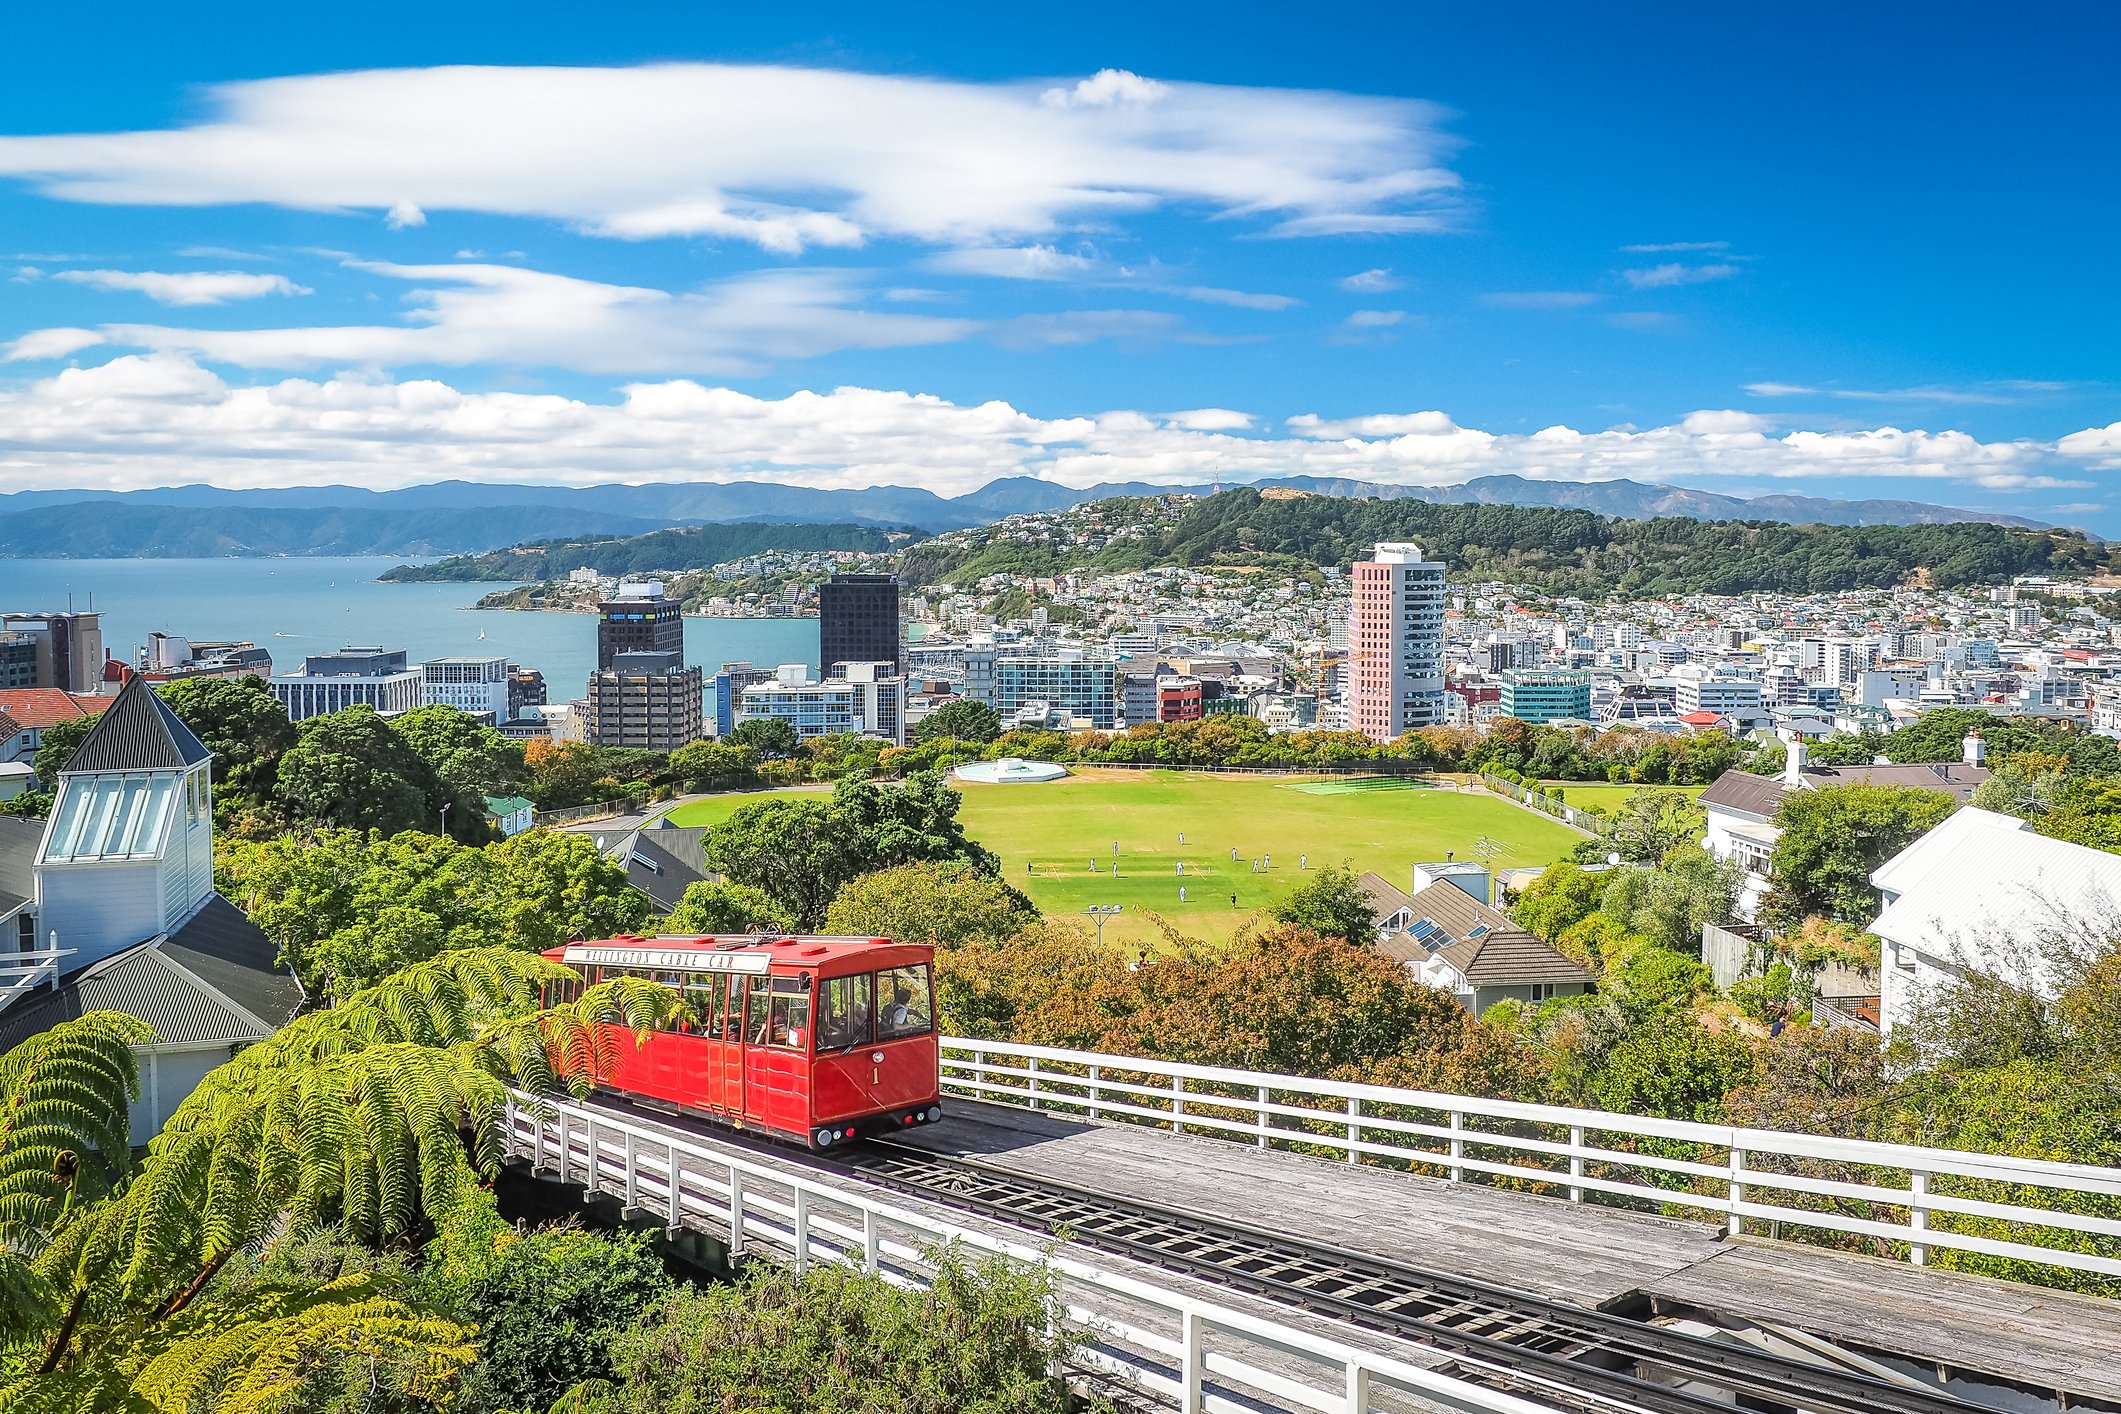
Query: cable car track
(1550,1343)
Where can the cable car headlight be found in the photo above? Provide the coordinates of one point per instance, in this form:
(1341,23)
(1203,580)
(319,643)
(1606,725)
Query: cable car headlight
(824,1138)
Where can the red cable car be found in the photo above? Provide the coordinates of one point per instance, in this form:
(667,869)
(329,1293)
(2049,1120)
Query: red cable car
(813,1039)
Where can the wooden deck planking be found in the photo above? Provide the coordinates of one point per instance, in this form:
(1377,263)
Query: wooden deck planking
(1581,1253)
(1592,1257)
(2034,1335)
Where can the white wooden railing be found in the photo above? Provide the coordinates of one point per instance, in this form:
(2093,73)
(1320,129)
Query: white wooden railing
(21,973)
(1204,1356)
(1571,1150)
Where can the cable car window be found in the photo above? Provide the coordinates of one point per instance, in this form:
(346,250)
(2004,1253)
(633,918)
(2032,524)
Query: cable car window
(702,991)
(733,1016)
(791,1020)
(843,1017)
(755,1019)
(903,1004)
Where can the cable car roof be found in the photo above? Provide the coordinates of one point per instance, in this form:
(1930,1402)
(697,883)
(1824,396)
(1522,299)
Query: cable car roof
(742,952)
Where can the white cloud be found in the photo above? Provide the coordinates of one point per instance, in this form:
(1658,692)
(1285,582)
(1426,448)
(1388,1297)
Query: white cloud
(1660,276)
(1710,421)
(1046,263)
(1375,318)
(187,288)
(1675,246)
(1372,282)
(784,158)
(468,314)
(1538,299)
(1777,390)
(2000,393)
(160,419)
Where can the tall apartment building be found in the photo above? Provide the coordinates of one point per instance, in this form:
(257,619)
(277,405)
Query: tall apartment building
(638,619)
(480,686)
(18,660)
(1726,697)
(1395,642)
(1083,686)
(69,648)
(645,700)
(865,699)
(526,688)
(858,622)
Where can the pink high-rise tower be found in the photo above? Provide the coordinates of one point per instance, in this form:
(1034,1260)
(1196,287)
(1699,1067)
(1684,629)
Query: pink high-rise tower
(1395,643)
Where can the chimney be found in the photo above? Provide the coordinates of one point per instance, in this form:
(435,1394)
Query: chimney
(1793,764)
(1973,750)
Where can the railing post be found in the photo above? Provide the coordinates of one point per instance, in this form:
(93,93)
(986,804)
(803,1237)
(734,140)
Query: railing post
(537,1140)
(561,1139)
(633,1172)
(508,1127)
(1575,1162)
(1354,1129)
(1458,1146)
(1737,1225)
(1193,1377)
(1093,1091)
(1918,1218)
(802,1229)
(1358,1388)
(736,1213)
(1263,1117)
(1178,1104)
(872,1242)
(674,1176)
(1034,1082)
(589,1129)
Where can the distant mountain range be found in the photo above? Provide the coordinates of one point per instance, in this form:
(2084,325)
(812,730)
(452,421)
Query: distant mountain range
(467,517)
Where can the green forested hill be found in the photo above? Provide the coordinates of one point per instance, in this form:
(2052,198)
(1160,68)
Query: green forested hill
(1565,551)
(683,548)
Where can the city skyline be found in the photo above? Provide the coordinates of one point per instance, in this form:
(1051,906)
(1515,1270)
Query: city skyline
(849,255)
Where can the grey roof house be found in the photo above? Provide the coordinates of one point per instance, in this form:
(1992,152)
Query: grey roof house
(1453,941)
(661,859)
(113,907)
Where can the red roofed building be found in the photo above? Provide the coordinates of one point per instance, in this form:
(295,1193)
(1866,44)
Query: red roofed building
(1702,721)
(32,709)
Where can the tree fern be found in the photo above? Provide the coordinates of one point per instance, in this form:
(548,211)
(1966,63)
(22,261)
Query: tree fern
(248,1351)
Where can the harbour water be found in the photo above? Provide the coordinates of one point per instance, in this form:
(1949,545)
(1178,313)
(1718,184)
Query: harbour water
(295,607)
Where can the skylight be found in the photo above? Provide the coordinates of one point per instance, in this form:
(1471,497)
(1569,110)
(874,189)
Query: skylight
(112,817)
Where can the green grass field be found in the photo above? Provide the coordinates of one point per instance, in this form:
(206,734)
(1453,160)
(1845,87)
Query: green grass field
(1605,797)
(1049,836)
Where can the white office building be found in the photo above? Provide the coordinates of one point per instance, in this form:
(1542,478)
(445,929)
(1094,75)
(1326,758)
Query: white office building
(868,701)
(475,685)
(391,694)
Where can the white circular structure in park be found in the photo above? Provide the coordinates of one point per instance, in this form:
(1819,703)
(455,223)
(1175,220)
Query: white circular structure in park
(1011,770)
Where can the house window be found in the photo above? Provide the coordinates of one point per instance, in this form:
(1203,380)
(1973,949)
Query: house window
(1543,991)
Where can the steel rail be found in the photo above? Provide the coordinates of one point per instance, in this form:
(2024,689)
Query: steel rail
(1488,1324)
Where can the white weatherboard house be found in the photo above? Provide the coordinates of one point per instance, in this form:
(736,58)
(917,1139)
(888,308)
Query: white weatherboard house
(1980,890)
(114,909)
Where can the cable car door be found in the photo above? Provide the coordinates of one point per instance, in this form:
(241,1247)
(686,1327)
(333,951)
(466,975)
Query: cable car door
(731,1052)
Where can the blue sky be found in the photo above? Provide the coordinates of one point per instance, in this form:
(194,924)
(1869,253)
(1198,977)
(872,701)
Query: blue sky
(1718,250)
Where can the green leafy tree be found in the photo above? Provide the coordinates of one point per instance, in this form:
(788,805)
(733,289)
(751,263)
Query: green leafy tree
(1649,825)
(1676,1070)
(966,719)
(768,736)
(466,753)
(1940,735)
(982,1338)
(350,769)
(363,952)
(1562,896)
(1833,837)
(709,907)
(548,1306)
(713,762)
(1330,903)
(1669,905)
(949,904)
(57,744)
(240,722)
(793,850)
(549,887)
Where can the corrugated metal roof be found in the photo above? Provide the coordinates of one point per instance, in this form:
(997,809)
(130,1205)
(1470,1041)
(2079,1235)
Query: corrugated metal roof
(138,732)
(148,985)
(231,954)
(1987,885)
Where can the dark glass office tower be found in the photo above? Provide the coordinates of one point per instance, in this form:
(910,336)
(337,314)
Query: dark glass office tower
(644,623)
(858,621)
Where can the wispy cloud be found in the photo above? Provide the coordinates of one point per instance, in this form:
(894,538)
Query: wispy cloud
(1647,319)
(1375,318)
(720,150)
(1371,282)
(1997,394)
(1675,247)
(1539,299)
(1045,263)
(187,288)
(1664,276)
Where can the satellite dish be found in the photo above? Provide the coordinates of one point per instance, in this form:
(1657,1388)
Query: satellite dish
(1612,859)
